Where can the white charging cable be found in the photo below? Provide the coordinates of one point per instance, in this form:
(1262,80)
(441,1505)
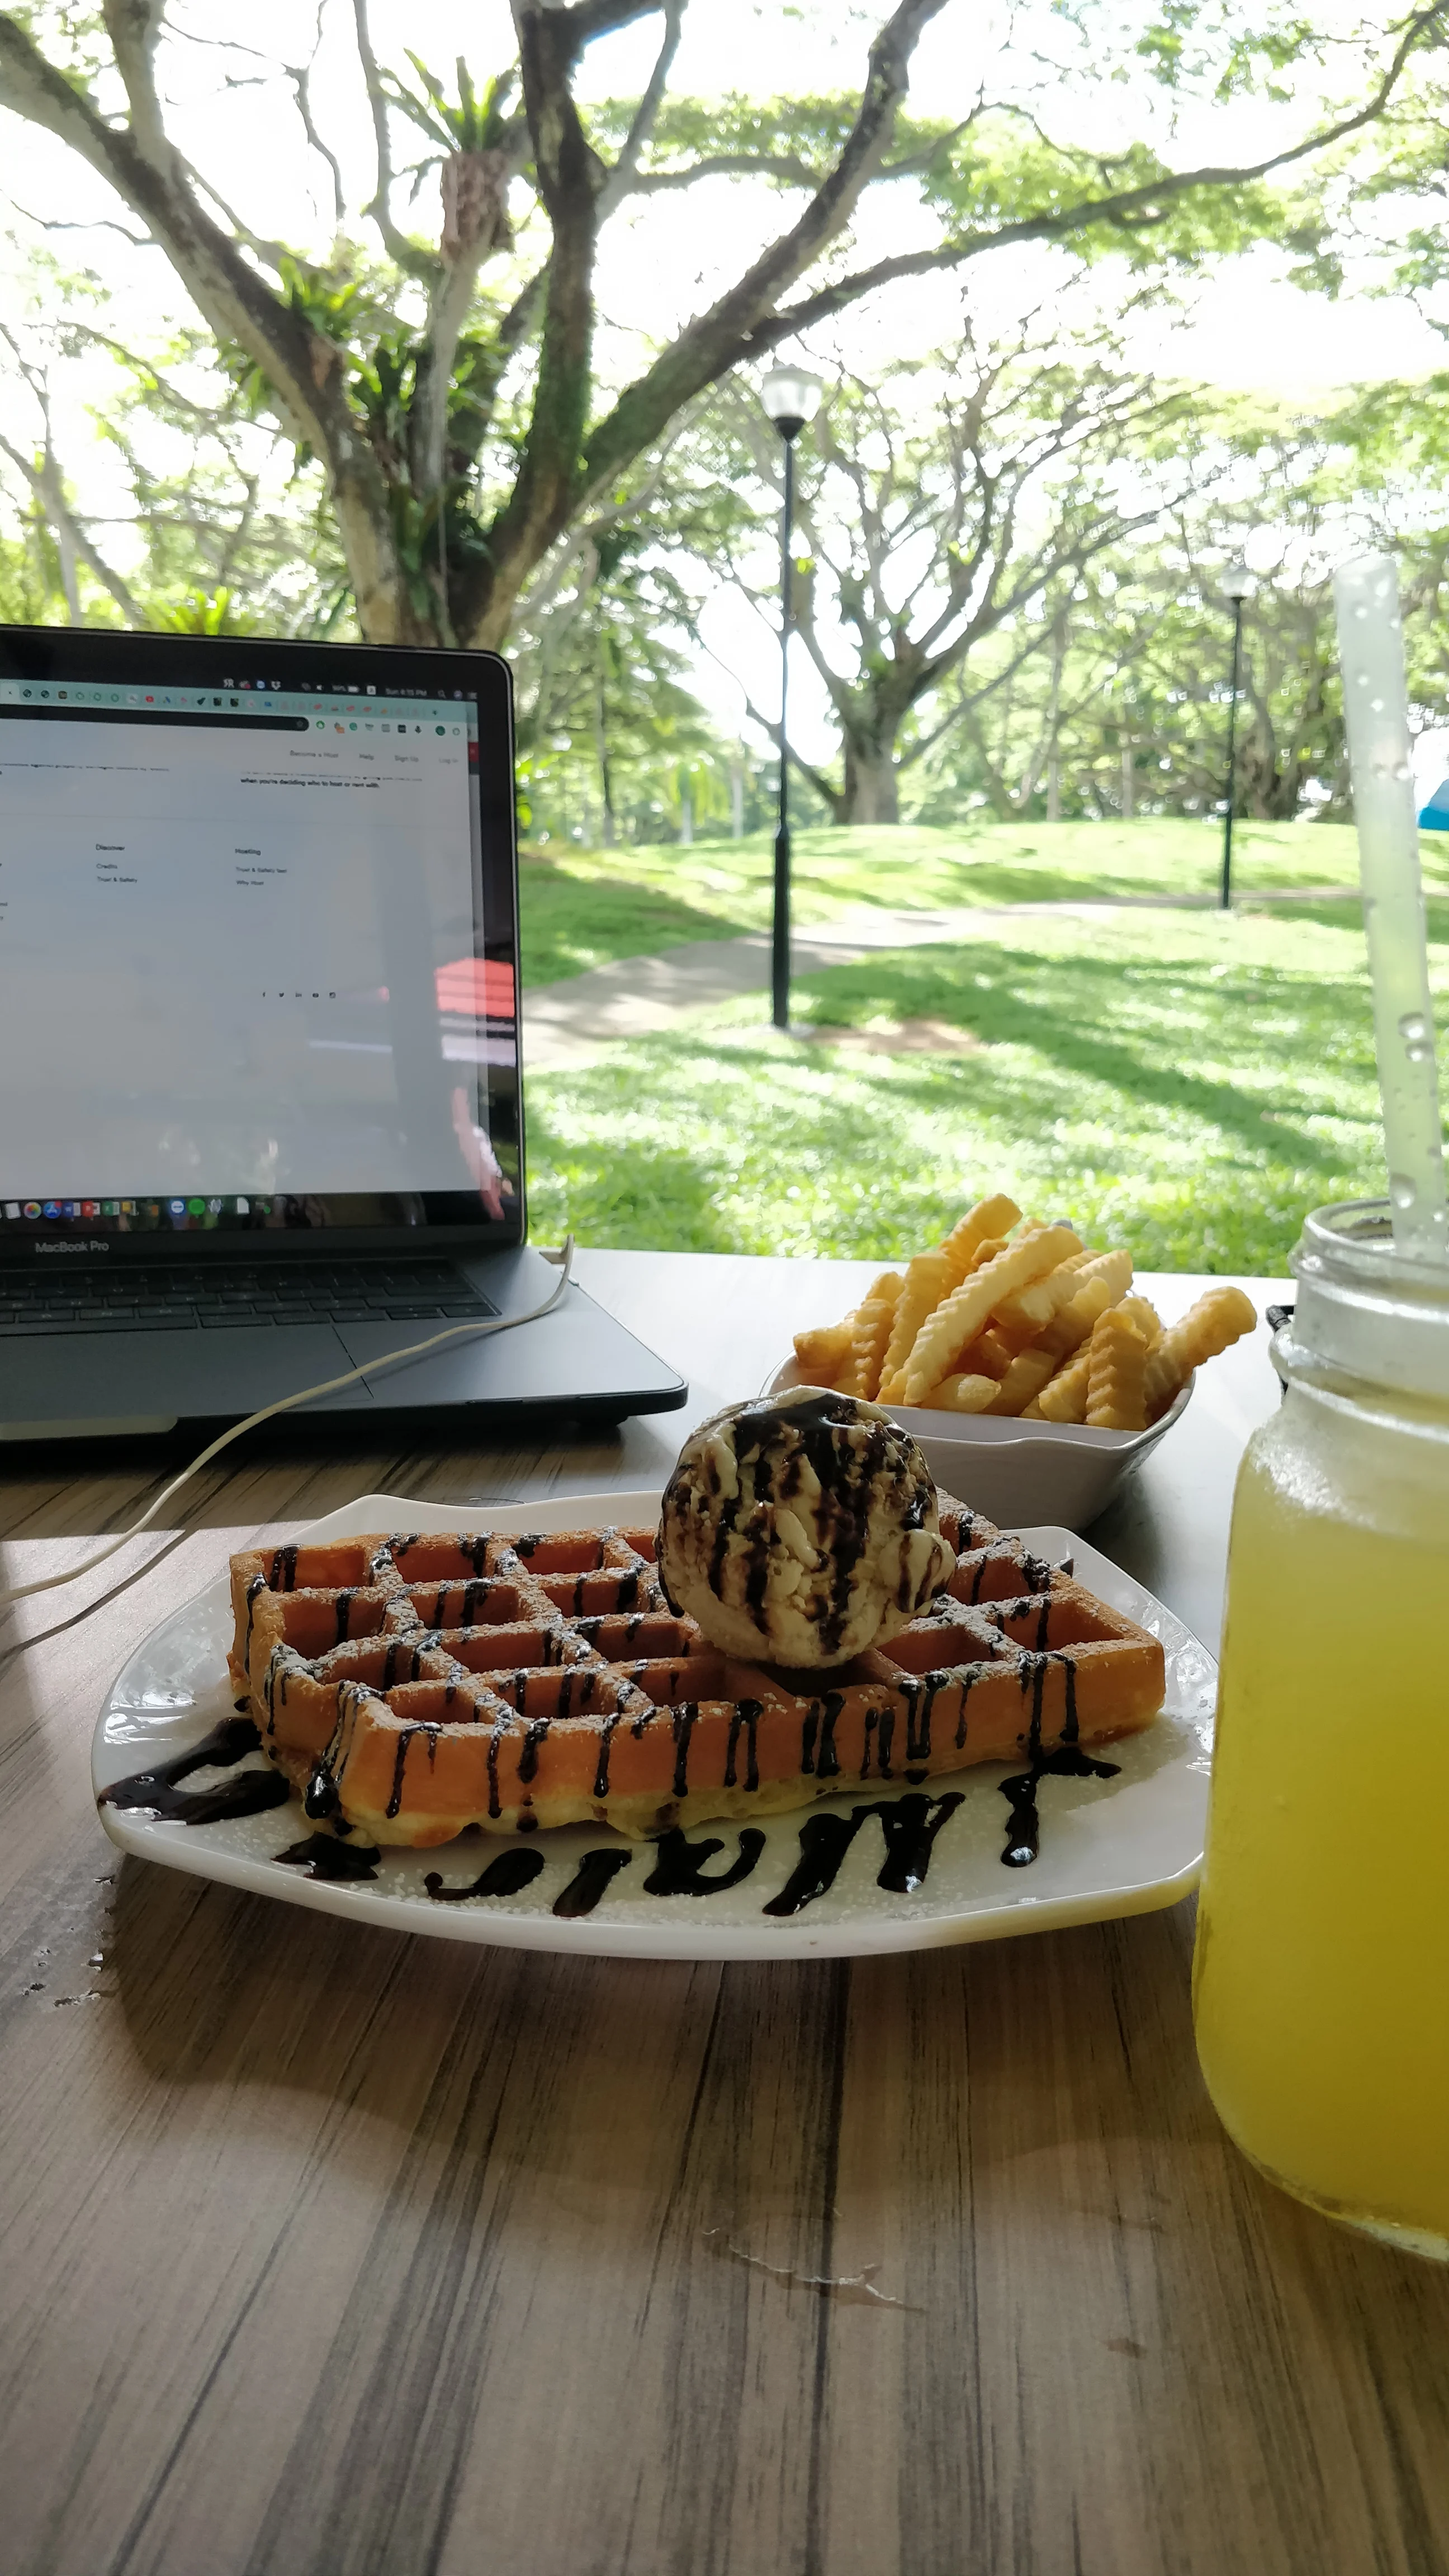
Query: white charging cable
(285,1404)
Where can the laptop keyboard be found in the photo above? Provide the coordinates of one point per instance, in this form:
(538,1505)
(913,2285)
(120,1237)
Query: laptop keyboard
(170,1300)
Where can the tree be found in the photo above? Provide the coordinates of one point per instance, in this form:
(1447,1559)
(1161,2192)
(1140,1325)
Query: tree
(931,514)
(448,386)
(1118,704)
(608,732)
(215,536)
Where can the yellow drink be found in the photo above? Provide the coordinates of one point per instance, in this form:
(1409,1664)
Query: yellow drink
(1321,1982)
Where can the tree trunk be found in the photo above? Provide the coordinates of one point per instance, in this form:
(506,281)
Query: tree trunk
(1054,790)
(606,772)
(1129,783)
(686,820)
(870,784)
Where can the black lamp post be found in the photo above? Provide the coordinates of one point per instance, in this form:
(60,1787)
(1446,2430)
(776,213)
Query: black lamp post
(791,398)
(1237,583)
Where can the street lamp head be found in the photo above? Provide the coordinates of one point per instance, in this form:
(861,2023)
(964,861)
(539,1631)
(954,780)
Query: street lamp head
(791,397)
(1236,583)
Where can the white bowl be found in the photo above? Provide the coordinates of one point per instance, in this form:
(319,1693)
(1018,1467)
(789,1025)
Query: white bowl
(1015,1473)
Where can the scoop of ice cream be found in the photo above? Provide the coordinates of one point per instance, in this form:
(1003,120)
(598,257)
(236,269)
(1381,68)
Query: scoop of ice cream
(801,1529)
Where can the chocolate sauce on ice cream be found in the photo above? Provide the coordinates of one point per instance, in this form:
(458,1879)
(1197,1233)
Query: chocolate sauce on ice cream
(802,1529)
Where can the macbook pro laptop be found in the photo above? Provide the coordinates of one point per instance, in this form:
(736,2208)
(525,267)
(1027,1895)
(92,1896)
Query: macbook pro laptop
(259,1043)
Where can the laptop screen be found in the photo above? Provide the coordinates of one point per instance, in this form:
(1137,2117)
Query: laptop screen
(258,968)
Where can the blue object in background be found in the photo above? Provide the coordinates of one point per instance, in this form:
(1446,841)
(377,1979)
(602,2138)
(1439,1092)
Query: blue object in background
(1435,815)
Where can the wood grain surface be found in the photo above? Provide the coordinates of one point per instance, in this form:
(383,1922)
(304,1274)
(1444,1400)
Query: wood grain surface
(328,2250)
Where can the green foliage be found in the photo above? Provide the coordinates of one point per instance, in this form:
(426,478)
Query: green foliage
(30,591)
(794,140)
(1186,1085)
(230,527)
(1213,49)
(1004,172)
(476,124)
(204,613)
(970,495)
(1113,697)
(611,741)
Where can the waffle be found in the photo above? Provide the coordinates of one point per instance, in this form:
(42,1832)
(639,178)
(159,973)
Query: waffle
(411,1687)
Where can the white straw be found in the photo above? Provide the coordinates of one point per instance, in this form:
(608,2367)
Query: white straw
(1371,650)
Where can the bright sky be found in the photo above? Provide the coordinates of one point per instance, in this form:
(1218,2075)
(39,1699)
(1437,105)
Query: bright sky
(1246,326)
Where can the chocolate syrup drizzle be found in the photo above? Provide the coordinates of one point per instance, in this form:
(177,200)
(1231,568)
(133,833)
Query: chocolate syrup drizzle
(910,1827)
(679,1864)
(323,1856)
(508,1875)
(154,1791)
(1023,1824)
(591,1881)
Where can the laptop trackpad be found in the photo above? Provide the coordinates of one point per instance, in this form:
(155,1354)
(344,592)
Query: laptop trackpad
(573,1354)
(166,1376)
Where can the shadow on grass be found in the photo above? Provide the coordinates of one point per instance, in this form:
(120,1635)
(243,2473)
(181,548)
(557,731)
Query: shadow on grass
(1349,916)
(1063,1008)
(718,1139)
(612,1194)
(572,923)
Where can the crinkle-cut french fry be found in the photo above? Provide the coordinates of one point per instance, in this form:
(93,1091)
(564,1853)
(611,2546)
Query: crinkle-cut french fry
(1022,1383)
(1114,1266)
(957,1322)
(962,1393)
(823,1351)
(990,1220)
(990,1355)
(1141,1313)
(1220,1317)
(1116,1367)
(1024,1317)
(993,1360)
(1064,1397)
(873,1320)
(928,1280)
(1068,1330)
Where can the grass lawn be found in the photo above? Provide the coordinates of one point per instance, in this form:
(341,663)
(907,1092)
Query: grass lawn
(584,908)
(1185,1083)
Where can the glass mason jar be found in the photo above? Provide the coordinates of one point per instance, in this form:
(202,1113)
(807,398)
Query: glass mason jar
(1321,1979)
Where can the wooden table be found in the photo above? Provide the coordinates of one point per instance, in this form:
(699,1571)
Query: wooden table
(325,2249)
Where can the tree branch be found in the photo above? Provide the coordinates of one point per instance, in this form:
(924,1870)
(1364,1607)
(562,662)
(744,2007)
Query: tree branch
(730,165)
(407,255)
(570,179)
(710,346)
(301,366)
(300,76)
(816,778)
(96,224)
(134,28)
(45,482)
(622,177)
(732,333)
(270,252)
(1124,207)
(578,27)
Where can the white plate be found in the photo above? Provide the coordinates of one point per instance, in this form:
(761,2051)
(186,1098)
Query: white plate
(1012,1472)
(1121,1846)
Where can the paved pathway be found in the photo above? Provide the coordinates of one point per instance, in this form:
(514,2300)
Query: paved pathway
(566,1023)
